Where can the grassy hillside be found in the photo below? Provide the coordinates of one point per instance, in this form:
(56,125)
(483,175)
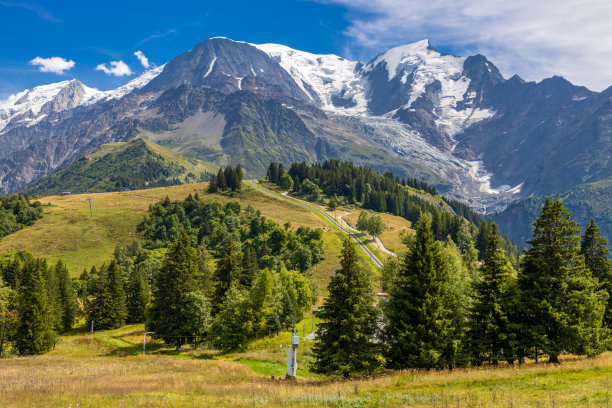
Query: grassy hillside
(586,201)
(111,371)
(118,166)
(67,232)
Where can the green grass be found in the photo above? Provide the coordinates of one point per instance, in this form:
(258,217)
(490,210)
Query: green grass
(110,371)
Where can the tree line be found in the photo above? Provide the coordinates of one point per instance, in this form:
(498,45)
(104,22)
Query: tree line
(200,271)
(16,212)
(228,179)
(344,183)
(445,311)
(37,302)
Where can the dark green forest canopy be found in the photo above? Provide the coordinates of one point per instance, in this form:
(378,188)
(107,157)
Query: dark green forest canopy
(134,166)
(372,190)
(212,224)
(16,212)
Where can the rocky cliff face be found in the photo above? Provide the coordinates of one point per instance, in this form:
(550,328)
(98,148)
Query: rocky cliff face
(453,121)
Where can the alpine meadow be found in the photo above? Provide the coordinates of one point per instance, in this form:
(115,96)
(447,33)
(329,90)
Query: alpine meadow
(378,221)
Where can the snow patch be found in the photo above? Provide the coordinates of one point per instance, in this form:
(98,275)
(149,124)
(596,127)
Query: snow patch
(321,77)
(210,68)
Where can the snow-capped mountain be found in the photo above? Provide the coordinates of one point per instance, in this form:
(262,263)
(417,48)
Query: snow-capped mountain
(31,106)
(454,121)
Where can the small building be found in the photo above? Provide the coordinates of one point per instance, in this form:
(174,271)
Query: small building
(64,193)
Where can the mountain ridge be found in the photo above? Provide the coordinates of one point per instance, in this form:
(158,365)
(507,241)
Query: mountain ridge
(454,121)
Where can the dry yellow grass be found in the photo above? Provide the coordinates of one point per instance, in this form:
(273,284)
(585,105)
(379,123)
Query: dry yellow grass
(98,379)
(66,231)
(392,235)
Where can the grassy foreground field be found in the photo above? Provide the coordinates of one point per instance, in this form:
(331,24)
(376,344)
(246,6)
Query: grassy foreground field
(110,372)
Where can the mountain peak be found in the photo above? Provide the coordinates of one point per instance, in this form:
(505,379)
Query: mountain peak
(403,56)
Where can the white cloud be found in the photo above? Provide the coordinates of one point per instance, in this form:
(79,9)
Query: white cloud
(143,59)
(57,65)
(535,39)
(117,68)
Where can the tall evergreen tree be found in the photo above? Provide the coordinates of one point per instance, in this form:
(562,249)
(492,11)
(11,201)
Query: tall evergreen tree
(106,308)
(53,299)
(593,247)
(67,296)
(137,294)
(177,278)
(35,334)
(346,336)
(228,271)
(233,324)
(250,267)
(563,306)
(221,182)
(482,239)
(490,335)
(419,322)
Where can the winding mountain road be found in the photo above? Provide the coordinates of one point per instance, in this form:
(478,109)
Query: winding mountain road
(326,216)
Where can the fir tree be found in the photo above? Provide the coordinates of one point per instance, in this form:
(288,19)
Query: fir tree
(482,239)
(233,324)
(35,333)
(490,335)
(53,299)
(106,309)
(137,294)
(228,271)
(346,335)
(593,247)
(67,296)
(177,278)
(249,267)
(262,298)
(419,323)
(221,182)
(563,308)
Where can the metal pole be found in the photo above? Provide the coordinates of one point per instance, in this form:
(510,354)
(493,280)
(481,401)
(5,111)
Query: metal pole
(144,342)
(90,209)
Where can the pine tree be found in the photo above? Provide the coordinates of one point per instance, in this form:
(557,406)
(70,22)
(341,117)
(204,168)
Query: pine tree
(262,298)
(177,278)
(346,336)
(106,308)
(482,239)
(221,182)
(53,299)
(250,267)
(67,296)
(490,335)
(228,271)
(563,308)
(593,247)
(205,271)
(35,333)
(419,322)
(233,324)
(137,294)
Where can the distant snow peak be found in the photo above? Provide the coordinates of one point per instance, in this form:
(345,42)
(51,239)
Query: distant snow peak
(32,105)
(321,77)
(403,57)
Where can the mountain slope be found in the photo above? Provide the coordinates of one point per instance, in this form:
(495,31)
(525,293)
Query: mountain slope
(117,166)
(586,201)
(455,122)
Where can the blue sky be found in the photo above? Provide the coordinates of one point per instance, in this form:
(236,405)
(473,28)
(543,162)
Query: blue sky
(93,33)
(534,39)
